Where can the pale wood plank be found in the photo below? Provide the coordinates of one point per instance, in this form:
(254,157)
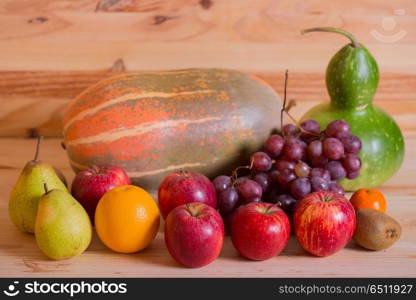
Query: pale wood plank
(254,35)
(33,102)
(61,47)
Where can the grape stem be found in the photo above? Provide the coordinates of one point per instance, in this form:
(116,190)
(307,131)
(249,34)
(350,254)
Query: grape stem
(286,108)
(284,100)
(234,174)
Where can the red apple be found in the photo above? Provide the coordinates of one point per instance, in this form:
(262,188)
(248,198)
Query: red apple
(259,230)
(194,234)
(185,187)
(324,222)
(91,184)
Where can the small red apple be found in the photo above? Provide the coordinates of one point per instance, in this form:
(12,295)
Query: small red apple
(185,187)
(194,234)
(91,184)
(324,222)
(259,230)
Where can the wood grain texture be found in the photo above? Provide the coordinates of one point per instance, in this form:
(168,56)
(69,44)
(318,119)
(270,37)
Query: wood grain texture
(52,50)
(160,34)
(20,257)
(32,102)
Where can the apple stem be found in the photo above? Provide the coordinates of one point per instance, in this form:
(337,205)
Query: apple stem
(326,198)
(45,186)
(192,211)
(183,172)
(37,148)
(268,209)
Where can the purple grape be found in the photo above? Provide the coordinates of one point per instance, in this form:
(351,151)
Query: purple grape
(333,148)
(338,129)
(320,172)
(273,176)
(314,149)
(318,162)
(263,180)
(227,222)
(292,139)
(352,144)
(336,170)
(319,184)
(293,150)
(353,175)
(351,163)
(240,180)
(302,169)
(335,187)
(286,177)
(261,162)
(249,189)
(272,195)
(282,164)
(290,130)
(313,129)
(287,203)
(300,188)
(249,200)
(297,140)
(221,183)
(227,200)
(274,145)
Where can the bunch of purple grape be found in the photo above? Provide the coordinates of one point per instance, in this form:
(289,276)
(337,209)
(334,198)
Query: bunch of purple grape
(293,165)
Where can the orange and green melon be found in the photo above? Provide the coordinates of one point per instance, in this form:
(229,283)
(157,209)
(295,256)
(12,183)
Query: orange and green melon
(154,123)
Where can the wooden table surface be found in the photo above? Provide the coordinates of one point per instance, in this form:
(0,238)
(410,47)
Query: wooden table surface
(53,49)
(20,257)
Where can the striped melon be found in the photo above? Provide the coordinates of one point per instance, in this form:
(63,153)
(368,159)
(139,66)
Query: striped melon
(154,123)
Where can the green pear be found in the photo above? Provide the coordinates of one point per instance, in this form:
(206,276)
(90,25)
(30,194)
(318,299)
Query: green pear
(63,228)
(24,198)
(61,176)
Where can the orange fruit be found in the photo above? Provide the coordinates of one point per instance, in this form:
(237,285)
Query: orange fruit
(368,199)
(127,219)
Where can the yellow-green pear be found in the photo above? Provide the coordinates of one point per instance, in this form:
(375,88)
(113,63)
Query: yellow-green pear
(63,228)
(24,198)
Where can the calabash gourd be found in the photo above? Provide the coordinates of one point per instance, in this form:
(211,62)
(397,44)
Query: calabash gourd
(351,78)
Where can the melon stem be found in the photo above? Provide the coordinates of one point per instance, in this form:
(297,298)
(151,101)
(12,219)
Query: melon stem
(348,35)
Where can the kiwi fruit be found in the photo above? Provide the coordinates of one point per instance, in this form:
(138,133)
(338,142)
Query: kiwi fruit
(375,230)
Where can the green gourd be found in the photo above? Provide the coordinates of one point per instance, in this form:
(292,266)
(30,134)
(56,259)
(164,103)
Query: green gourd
(351,78)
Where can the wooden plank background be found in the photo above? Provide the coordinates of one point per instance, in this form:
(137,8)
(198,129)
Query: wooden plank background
(52,50)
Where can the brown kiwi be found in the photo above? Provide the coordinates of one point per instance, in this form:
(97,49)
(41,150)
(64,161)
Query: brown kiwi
(375,230)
